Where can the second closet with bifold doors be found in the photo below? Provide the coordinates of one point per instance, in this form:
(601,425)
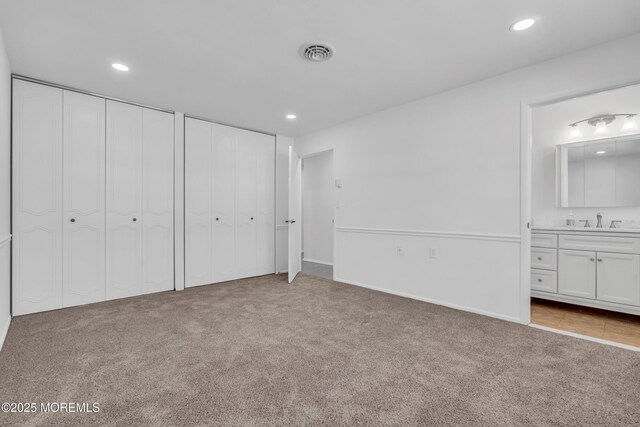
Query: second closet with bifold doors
(229,203)
(92,198)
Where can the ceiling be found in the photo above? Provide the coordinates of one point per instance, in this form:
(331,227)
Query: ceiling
(236,61)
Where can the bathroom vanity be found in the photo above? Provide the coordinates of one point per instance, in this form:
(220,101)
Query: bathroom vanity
(587,266)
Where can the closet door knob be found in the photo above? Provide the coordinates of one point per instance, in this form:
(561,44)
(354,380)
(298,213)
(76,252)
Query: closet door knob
(72,220)
(135,219)
(539,258)
(251,218)
(217,219)
(592,259)
(539,280)
(599,259)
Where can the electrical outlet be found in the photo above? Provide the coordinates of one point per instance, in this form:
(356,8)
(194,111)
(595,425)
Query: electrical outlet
(433,252)
(399,250)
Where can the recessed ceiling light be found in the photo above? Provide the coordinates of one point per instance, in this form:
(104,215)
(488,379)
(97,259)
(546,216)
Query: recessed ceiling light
(120,67)
(523,24)
(600,152)
(291,116)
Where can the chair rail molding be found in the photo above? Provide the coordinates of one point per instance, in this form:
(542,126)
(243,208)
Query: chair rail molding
(510,238)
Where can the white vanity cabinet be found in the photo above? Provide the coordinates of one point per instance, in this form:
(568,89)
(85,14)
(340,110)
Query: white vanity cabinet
(577,273)
(618,278)
(593,268)
(544,262)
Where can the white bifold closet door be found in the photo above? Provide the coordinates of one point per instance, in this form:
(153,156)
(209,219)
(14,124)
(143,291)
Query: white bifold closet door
(229,203)
(37,204)
(139,226)
(92,199)
(83,199)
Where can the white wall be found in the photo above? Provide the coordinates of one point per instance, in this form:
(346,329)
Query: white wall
(550,127)
(5,190)
(443,174)
(317,208)
(282,202)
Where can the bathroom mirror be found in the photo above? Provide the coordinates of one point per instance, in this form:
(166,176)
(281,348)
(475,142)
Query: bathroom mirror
(601,173)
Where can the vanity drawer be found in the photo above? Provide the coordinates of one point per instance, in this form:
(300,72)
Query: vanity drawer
(544,280)
(541,240)
(625,245)
(546,259)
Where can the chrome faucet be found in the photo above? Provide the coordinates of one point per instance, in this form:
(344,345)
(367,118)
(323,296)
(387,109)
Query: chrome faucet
(599,217)
(586,223)
(614,222)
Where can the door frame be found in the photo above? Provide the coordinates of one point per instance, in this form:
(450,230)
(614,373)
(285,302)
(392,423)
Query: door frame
(333,176)
(526,139)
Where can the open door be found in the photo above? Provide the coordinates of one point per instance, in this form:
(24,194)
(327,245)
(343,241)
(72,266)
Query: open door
(295,213)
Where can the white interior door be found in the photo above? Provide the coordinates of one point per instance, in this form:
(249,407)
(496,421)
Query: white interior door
(37,198)
(295,212)
(197,203)
(83,199)
(124,185)
(157,200)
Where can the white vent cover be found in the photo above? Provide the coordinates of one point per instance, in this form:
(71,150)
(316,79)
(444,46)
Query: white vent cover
(317,51)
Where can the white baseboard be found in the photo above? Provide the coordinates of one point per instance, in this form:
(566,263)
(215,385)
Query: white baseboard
(4,332)
(585,337)
(432,301)
(317,261)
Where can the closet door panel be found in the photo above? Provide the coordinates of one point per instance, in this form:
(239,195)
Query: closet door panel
(198,165)
(157,201)
(83,199)
(124,178)
(223,196)
(246,197)
(37,198)
(265,218)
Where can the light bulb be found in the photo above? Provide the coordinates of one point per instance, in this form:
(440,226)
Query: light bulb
(630,123)
(120,67)
(574,132)
(601,128)
(523,24)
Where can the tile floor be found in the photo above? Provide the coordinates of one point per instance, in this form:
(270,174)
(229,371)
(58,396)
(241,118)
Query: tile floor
(604,324)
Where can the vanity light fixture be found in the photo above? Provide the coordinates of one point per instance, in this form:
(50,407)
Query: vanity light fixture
(522,24)
(575,131)
(630,123)
(602,122)
(601,128)
(290,116)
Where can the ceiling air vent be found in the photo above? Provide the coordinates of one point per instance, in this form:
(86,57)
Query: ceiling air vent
(317,51)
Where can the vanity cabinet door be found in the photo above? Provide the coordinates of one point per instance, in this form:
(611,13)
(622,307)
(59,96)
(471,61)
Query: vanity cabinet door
(577,273)
(619,278)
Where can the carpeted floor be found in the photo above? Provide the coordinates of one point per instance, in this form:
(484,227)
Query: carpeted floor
(261,352)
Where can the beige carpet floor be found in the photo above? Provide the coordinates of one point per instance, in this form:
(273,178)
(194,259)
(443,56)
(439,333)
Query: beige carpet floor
(262,352)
